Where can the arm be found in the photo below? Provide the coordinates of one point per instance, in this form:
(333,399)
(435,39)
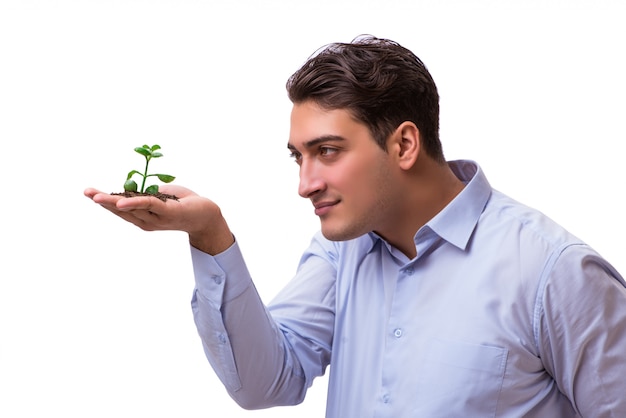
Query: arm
(256,359)
(264,357)
(582,332)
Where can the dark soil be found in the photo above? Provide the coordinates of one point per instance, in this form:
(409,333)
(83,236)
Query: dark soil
(159,195)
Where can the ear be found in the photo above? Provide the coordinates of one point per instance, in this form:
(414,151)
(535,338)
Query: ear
(406,144)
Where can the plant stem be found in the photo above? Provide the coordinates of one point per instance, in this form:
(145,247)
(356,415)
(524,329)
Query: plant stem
(145,174)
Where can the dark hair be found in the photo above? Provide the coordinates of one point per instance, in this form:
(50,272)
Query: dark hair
(380,82)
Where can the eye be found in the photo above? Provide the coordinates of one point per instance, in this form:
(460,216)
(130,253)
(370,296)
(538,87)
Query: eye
(295,155)
(326,151)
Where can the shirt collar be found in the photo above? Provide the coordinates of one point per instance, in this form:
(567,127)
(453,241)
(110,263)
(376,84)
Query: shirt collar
(456,222)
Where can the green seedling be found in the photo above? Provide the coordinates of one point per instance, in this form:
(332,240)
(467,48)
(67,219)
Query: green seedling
(149,153)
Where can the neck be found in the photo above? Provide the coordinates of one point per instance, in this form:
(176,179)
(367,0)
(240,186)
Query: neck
(431,187)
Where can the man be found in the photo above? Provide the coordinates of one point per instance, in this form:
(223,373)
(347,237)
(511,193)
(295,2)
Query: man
(429,293)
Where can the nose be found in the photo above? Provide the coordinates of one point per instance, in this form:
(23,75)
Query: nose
(311,181)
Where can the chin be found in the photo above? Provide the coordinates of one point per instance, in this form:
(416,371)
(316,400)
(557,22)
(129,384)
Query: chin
(340,234)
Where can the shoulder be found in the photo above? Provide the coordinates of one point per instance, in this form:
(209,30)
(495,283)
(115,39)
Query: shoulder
(506,216)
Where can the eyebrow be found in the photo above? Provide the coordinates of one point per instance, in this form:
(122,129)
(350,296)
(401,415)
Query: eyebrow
(316,141)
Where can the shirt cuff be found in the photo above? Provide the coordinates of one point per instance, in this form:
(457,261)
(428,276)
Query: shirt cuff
(222,277)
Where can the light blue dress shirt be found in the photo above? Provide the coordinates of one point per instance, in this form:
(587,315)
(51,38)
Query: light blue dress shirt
(502,313)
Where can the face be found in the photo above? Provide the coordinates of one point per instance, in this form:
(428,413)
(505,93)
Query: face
(346,175)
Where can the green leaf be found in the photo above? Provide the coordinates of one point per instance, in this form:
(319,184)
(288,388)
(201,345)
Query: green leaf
(130,186)
(148,152)
(132,173)
(143,151)
(165,178)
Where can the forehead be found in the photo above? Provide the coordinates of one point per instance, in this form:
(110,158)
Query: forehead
(309,122)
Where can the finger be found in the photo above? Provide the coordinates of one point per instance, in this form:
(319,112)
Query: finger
(141,203)
(135,210)
(145,220)
(109,204)
(90,192)
(104,199)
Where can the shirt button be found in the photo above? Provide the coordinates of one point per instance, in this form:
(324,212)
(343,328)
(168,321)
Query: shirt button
(386,398)
(217,279)
(410,271)
(397,332)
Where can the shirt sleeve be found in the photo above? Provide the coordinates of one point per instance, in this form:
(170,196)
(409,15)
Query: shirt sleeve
(305,308)
(254,356)
(581,331)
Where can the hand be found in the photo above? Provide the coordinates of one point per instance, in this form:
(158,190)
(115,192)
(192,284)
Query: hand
(198,216)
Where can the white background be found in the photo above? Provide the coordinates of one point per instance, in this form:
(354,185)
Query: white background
(94,313)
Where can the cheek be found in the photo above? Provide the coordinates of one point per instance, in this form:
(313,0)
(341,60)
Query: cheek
(352,178)
(370,184)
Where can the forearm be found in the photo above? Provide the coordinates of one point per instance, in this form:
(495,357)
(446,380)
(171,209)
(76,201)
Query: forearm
(241,340)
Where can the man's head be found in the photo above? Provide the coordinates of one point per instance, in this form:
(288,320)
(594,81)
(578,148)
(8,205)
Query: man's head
(381,83)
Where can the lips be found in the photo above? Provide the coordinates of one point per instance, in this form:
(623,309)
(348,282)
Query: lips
(322,208)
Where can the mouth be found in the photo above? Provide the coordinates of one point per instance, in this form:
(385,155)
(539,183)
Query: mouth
(322,208)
